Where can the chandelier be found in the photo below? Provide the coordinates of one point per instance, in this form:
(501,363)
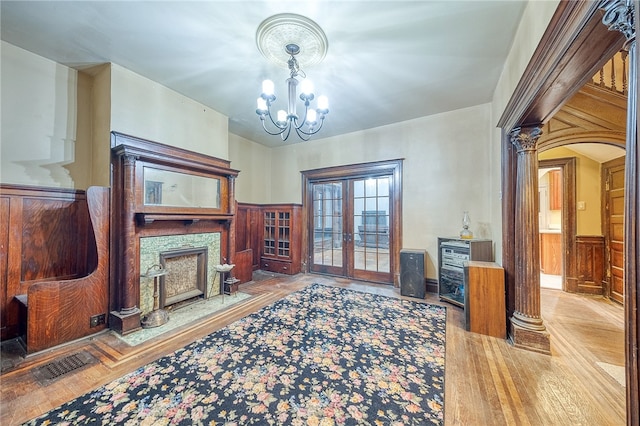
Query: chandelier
(301,38)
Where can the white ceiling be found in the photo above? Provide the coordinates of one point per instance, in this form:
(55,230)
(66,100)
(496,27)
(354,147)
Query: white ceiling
(387,61)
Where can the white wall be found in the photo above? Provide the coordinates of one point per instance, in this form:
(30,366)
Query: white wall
(148,110)
(38,122)
(446,170)
(55,121)
(533,24)
(253,184)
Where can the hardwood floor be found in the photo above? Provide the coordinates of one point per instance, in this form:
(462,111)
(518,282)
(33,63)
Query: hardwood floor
(487,381)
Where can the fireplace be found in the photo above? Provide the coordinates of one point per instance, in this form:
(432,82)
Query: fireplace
(165,198)
(186,278)
(190,260)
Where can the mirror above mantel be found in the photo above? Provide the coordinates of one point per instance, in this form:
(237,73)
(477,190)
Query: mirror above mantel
(170,183)
(172,189)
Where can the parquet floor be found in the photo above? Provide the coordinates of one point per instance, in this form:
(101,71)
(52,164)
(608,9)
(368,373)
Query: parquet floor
(487,381)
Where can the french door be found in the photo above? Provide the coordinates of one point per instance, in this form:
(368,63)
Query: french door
(351,234)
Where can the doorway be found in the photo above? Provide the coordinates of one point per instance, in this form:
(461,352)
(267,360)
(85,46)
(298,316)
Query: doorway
(351,228)
(550,227)
(352,217)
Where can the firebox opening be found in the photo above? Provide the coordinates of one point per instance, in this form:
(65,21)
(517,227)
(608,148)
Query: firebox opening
(186,279)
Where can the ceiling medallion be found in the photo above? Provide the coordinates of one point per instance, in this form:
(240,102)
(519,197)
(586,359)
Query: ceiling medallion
(284,29)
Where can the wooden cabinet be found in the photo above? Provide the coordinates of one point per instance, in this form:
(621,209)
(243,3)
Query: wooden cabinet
(484,301)
(555,190)
(551,253)
(281,238)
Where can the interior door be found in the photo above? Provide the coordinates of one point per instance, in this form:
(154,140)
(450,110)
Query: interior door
(351,233)
(614,226)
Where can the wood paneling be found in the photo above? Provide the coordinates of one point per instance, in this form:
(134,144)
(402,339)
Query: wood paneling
(243,269)
(590,264)
(45,234)
(249,231)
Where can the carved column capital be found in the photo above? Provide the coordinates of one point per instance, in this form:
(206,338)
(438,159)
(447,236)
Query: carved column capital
(525,138)
(129,160)
(618,16)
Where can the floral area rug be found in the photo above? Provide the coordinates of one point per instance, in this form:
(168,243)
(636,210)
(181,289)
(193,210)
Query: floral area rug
(320,356)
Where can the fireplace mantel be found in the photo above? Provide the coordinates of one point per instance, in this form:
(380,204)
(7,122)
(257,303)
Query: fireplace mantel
(157,190)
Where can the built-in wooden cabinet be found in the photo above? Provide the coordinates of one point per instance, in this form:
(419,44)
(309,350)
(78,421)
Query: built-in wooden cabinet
(281,238)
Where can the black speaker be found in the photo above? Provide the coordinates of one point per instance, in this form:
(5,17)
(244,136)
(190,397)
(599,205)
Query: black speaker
(412,282)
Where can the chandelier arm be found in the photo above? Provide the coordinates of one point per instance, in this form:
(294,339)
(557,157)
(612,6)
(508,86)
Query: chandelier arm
(288,129)
(306,108)
(315,129)
(264,126)
(302,135)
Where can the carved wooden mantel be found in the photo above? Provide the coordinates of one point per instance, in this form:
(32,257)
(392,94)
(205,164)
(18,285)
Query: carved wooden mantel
(140,211)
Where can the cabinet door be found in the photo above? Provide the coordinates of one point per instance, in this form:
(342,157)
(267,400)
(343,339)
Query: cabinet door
(284,234)
(269,239)
(555,190)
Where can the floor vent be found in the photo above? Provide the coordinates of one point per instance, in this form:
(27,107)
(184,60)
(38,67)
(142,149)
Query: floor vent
(55,370)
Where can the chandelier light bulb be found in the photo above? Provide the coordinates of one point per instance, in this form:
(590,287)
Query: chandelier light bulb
(306,87)
(323,103)
(311,116)
(268,88)
(282,116)
(262,104)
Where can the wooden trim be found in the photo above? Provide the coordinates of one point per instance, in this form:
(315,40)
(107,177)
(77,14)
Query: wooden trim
(569,226)
(158,153)
(575,45)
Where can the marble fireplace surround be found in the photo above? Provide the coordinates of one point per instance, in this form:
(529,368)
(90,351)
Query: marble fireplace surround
(152,247)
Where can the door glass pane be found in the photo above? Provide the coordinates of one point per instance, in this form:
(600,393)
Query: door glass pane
(328,226)
(371,224)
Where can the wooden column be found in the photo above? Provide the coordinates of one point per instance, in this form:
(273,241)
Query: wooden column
(619,15)
(126,318)
(527,328)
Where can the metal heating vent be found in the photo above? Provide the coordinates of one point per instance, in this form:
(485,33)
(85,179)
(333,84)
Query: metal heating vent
(52,371)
